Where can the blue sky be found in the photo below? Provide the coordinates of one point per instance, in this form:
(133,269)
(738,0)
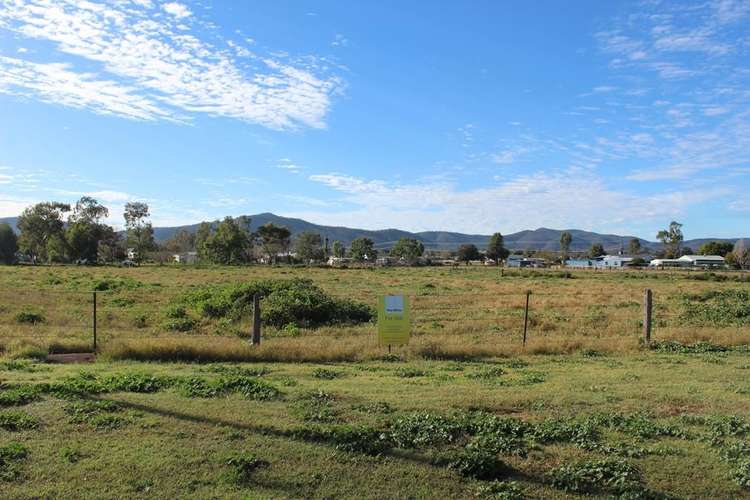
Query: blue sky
(466,116)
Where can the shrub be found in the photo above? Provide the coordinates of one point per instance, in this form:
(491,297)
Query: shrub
(249,387)
(18,396)
(10,454)
(326,374)
(17,421)
(30,317)
(296,302)
(242,467)
(479,463)
(501,490)
(597,476)
(420,430)
(717,308)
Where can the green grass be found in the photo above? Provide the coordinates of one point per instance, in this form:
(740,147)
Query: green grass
(464,411)
(633,424)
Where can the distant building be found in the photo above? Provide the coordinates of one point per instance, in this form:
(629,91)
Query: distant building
(132,254)
(185,257)
(691,261)
(521,261)
(339,261)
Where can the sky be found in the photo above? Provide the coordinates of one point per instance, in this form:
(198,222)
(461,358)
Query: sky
(476,117)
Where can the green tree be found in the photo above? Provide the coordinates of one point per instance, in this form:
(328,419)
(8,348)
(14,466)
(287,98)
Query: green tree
(140,232)
(8,244)
(467,252)
(565,240)
(202,235)
(409,249)
(85,229)
(496,248)
(363,249)
(42,229)
(110,247)
(228,244)
(716,248)
(634,246)
(671,238)
(308,246)
(274,240)
(596,250)
(339,250)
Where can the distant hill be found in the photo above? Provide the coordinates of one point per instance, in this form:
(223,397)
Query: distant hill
(538,239)
(10,220)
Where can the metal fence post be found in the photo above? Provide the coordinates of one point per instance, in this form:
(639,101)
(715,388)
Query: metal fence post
(256,319)
(94,318)
(647,314)
(526,317)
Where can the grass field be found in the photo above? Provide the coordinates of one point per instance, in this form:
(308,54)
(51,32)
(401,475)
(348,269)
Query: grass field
(464,411)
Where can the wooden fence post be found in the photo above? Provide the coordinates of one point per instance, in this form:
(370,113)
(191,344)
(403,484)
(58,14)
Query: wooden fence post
(526,317)
(256,319)
(647,312)
(94,319)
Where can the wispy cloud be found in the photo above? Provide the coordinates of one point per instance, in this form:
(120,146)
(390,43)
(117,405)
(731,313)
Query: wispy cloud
(441,205)
(150,66)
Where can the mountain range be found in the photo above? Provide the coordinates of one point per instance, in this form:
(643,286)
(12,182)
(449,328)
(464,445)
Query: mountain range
(538,239)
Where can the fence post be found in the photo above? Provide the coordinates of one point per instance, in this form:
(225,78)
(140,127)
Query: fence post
(94,322)
(256,319)
(647,310)
(526,317)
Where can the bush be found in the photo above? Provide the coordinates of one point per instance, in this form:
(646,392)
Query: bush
(296,302)
(17,421)
(242,467)
(479,463)
(597,476)
(30,317)
(10,454)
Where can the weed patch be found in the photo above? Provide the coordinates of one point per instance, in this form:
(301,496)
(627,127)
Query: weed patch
(10,456)
(18,396)
(326,374)
(30,317)
(12,420)
(597,476)
(717,308)
(242,467)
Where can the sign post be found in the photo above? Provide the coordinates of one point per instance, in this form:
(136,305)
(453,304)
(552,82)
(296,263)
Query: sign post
(394,326)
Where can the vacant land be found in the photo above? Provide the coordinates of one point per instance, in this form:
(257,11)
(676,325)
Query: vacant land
(464,411)
(467,311)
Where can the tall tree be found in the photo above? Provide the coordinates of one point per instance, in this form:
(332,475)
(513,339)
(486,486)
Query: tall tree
(309,247)
(634,246)
(42,230)
(8,244)
(85,229)
(339,250)
(596,250)
(671,238)
(363,249)
(202,235)
(721,248)
(496,248)
(139,229)
(228,244)
(274,240)
(565,240)
(409,249)
(110,247)
(467,252)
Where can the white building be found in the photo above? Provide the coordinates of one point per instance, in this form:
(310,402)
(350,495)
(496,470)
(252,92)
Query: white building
(691,261)
(185,258)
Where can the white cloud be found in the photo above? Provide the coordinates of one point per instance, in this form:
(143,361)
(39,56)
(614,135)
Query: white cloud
(509,156)
(740,205)
(177,10)
(151,68)
(512,205)
(289,166)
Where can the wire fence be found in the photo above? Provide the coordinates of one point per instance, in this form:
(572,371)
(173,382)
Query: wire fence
(96,318)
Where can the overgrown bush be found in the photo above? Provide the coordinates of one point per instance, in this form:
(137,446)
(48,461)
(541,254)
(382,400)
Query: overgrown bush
(297,302)
(595,476)
(30,317)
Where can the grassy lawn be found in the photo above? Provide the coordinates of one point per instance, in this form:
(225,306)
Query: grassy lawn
(464,411)
(380,429)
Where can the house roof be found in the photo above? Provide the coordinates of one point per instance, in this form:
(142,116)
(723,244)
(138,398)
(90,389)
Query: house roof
(714,258)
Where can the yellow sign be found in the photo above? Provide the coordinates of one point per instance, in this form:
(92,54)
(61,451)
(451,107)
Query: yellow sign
(393,320)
